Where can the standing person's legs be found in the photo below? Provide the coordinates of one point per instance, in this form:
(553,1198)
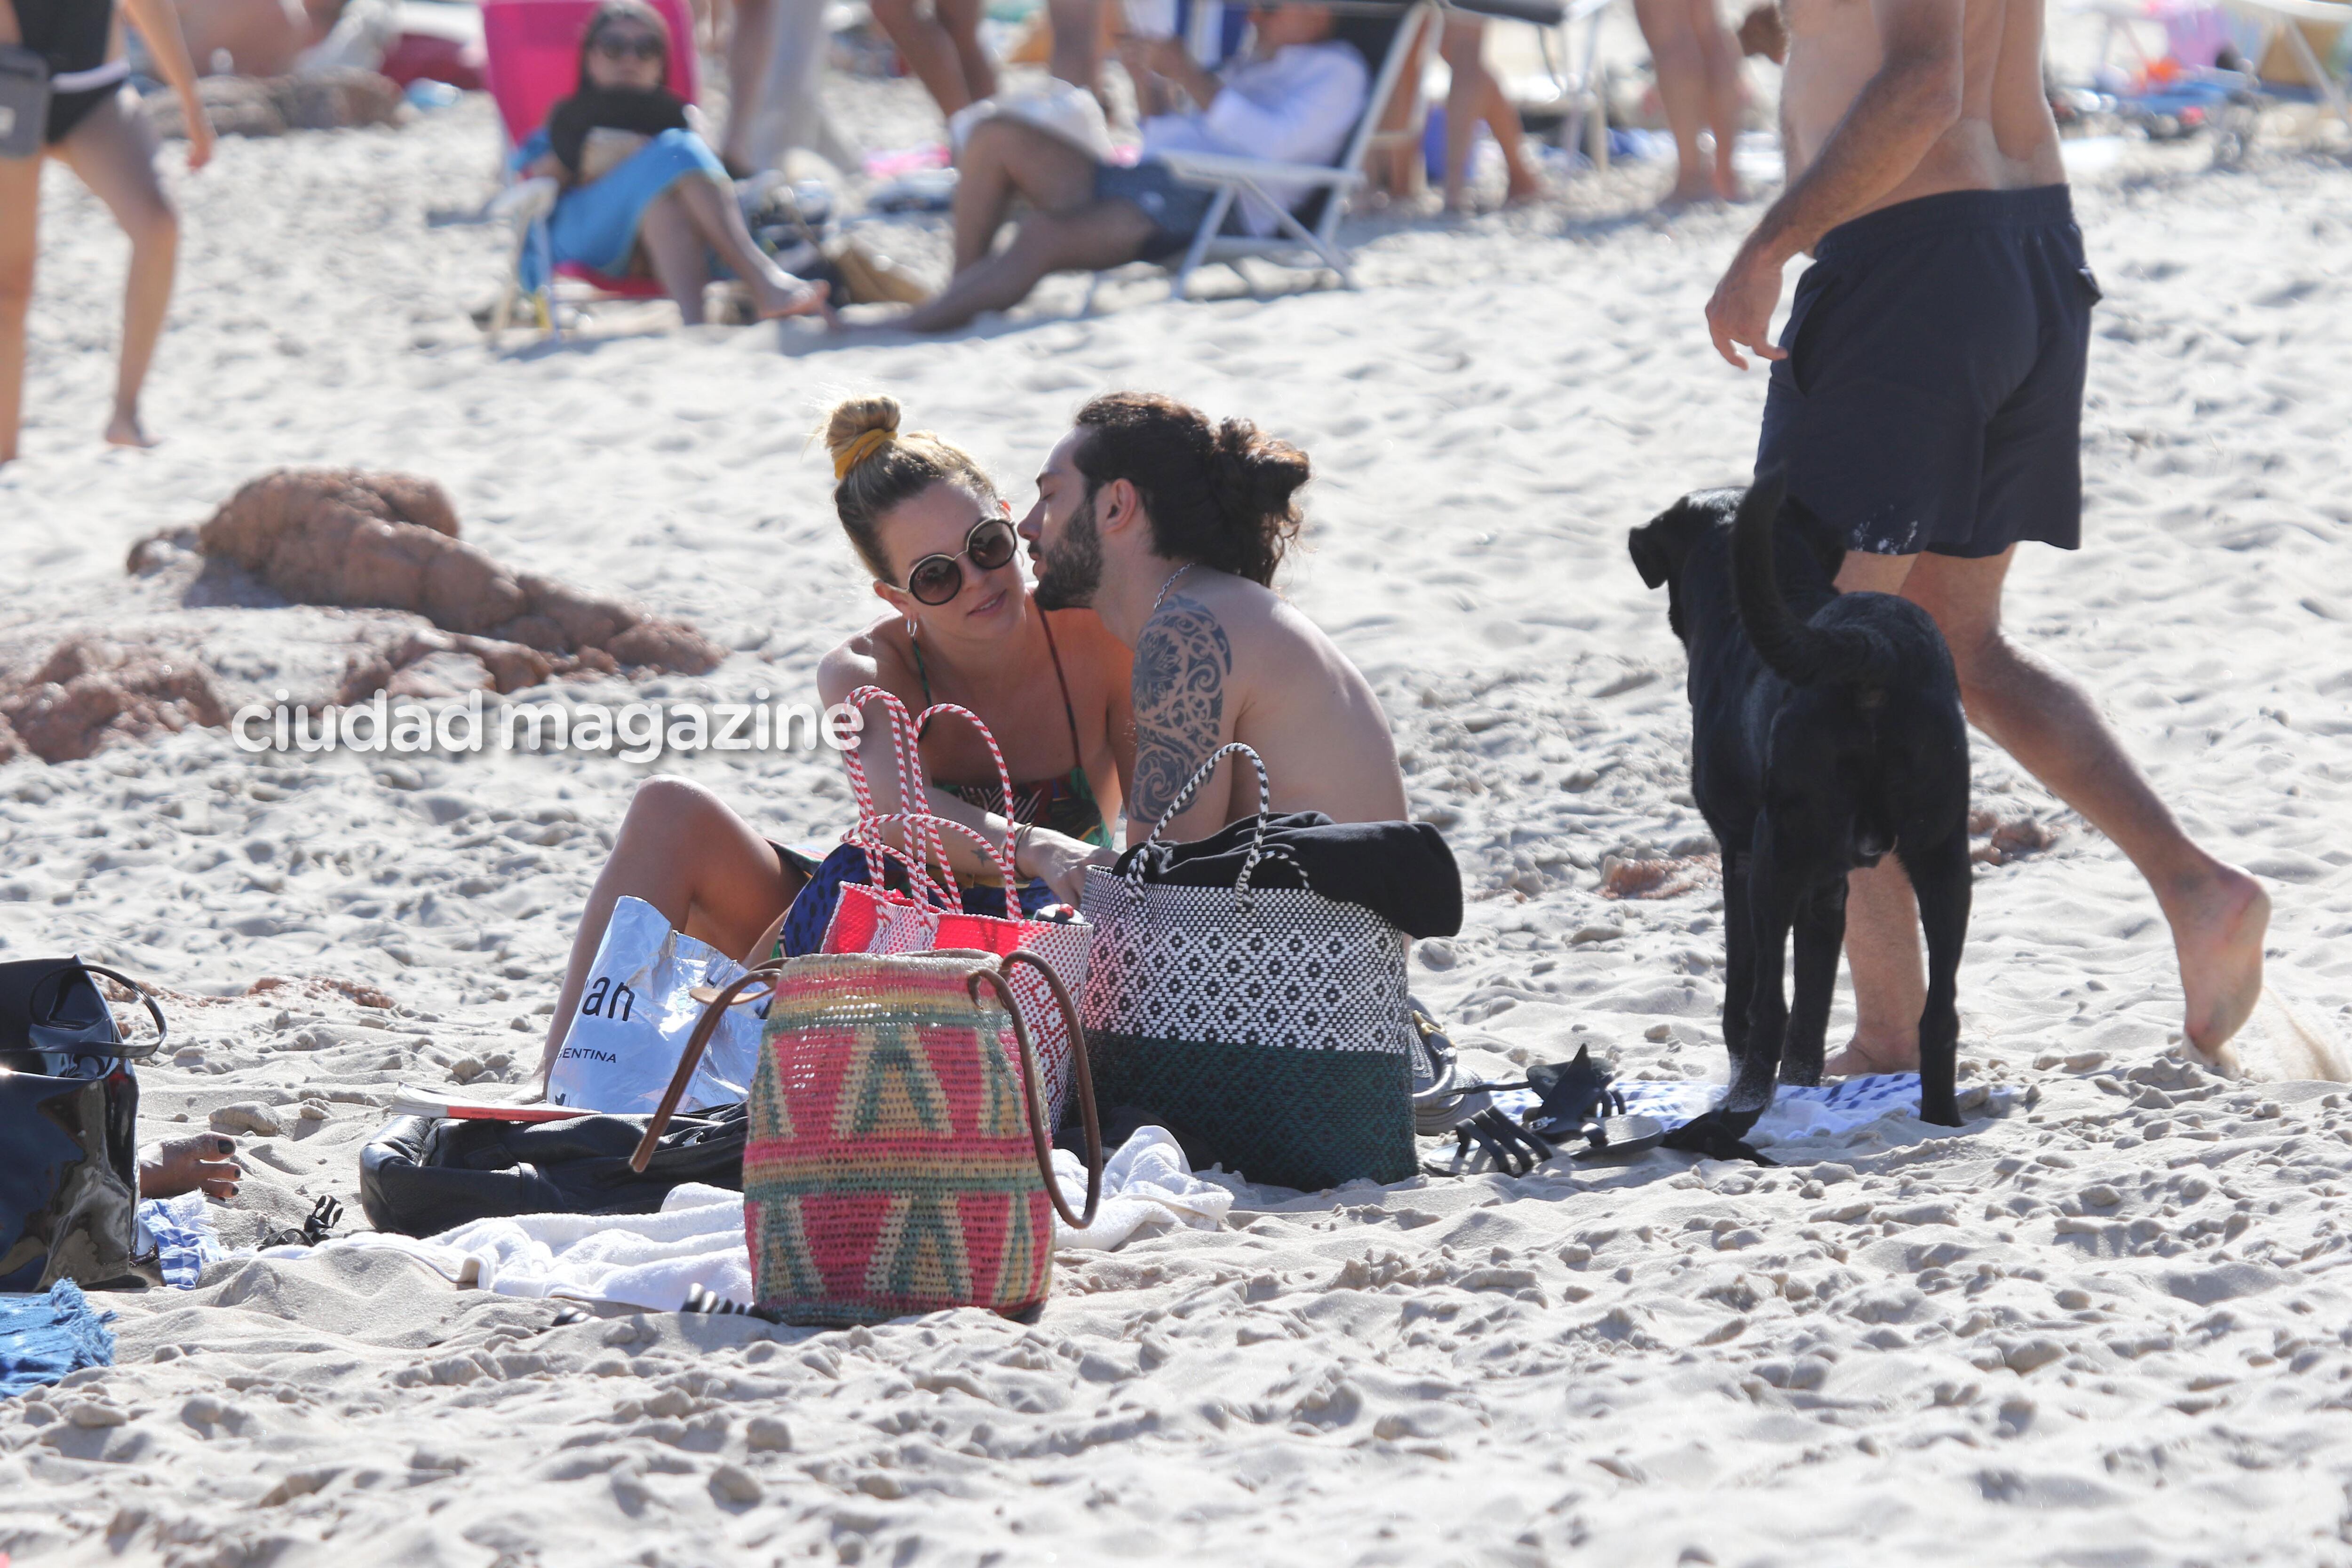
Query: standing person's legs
(1474,96)
(2042,718)
(20,216)
(681,850)
(1678,55)
(1077,43)
(928,50)
(752,41)
(1718,54)
(961,21)
(114,153)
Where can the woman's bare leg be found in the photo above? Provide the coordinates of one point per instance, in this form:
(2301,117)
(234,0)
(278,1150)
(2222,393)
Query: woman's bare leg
(708,212)
(748,48)
(681,850)
(674,248)
(959,20)
(113,152)
(20,212)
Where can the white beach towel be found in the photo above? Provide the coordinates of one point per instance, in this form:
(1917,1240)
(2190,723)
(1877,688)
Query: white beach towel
(654,1261)
(1830,1110)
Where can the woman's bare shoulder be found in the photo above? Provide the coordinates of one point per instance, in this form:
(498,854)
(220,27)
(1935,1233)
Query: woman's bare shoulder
(877,655)
(1083,633)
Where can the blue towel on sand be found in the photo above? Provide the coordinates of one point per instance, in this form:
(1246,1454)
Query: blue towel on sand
(43,1337)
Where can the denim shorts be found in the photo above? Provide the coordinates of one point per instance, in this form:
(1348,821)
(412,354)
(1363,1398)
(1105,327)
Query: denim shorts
(1175,207)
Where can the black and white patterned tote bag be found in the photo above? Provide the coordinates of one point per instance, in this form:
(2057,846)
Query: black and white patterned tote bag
(1265,1027)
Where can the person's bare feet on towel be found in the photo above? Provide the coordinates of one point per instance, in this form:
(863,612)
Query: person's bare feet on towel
(179,1165)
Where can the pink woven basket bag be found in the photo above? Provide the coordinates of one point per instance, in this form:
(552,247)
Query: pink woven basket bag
(898,1159)
(874,919)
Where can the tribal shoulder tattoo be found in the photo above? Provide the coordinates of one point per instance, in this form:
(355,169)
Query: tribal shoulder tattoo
(1182,661)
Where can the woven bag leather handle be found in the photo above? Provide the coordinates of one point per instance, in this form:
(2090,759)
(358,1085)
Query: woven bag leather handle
(162,1030)
(1184,797)
(994,978)
(691,1058)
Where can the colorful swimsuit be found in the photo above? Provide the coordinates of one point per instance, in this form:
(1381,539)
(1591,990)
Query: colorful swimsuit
(1065,803)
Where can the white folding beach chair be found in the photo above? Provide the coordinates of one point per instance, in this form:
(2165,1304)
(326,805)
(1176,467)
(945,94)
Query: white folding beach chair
(2282,19)
(1307,235)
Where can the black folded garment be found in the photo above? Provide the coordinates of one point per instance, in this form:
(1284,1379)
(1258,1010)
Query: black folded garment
(420,1175)
(1401,872)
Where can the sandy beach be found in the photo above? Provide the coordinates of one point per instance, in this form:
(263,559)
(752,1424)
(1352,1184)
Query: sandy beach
(2108,1322)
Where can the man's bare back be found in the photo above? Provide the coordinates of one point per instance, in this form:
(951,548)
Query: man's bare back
(2004,139)
(1224,659)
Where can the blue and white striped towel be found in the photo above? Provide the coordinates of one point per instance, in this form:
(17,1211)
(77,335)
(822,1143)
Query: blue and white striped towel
(1827,1112)
(182,1229)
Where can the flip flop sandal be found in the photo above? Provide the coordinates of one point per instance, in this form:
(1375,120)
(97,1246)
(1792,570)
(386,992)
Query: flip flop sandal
(1621,1137)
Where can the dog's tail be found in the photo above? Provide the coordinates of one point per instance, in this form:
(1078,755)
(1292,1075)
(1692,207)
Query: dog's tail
(1800,653)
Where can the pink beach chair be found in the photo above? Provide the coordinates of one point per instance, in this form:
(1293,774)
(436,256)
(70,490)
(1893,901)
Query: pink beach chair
(532,49)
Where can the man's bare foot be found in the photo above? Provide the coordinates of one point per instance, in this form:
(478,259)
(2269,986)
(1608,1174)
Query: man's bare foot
(190,1164)
(1525,189)
(124,430)
(1727,187)
(2218,926)
(1863,1056)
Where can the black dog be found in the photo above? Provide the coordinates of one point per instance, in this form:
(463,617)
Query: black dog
(1825,731)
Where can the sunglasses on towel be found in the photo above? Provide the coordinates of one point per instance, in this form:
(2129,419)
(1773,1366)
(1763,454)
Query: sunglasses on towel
(629,46)
(937,579)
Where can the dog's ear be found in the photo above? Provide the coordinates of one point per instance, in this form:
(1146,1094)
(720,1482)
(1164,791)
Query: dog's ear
(1649,553)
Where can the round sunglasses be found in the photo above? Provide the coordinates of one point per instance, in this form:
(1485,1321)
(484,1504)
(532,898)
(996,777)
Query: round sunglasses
(625,46)
(936,580)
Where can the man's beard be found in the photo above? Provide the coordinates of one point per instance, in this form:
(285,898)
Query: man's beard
(1069,574)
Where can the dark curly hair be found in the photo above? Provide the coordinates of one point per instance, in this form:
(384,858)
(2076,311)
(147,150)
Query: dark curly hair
(1224,494)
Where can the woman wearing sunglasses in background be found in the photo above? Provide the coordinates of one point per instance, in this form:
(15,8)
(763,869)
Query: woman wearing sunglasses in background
(1052,686)
(643,193)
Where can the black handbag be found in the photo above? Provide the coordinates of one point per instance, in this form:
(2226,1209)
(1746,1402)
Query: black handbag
(421,1175)
(23,102)
(68,1131)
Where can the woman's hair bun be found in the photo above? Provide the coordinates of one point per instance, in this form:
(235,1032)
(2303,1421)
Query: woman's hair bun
(853,416)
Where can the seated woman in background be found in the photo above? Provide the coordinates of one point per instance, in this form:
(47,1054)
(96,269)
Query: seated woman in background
(642,192)
(962,626)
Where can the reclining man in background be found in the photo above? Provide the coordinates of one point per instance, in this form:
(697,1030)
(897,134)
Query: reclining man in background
(1295,100)
(1170,528)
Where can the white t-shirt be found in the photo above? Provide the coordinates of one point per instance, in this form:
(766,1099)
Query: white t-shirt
(1299,106)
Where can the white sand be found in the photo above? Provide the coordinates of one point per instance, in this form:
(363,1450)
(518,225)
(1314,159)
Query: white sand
(2107,1327)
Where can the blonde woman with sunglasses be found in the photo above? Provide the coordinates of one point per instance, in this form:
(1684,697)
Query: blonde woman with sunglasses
(963,628)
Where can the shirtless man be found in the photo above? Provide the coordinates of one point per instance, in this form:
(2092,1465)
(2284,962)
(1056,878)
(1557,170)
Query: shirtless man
(1926,398)
(1170,527)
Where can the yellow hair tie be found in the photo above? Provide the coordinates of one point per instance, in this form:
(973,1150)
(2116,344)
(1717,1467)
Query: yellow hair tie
(857,451)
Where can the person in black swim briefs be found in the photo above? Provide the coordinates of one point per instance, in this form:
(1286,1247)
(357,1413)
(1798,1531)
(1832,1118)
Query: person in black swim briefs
(1927,400)
(97,129)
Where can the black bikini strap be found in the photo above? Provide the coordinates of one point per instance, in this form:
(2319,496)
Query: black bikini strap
(925,677)
(1062,680)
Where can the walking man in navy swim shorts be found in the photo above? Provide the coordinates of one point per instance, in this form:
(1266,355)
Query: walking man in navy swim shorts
(1927,398)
